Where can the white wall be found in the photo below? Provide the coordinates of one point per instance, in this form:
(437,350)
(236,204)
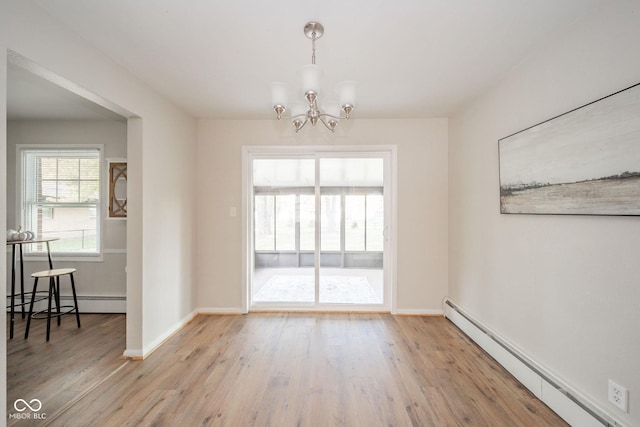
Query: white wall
(3,220)
(168,225)
(422,201)
(564,289)
(161,154)
(100,278)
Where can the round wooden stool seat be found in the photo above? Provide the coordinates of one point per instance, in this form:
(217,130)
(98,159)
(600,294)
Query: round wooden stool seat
(53,273)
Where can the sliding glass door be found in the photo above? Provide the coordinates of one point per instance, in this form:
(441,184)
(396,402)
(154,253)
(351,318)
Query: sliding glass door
(319,231)
(352,218)
(283,231)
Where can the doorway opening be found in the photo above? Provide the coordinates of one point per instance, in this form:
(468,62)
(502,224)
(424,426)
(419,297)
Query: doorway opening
(48,122)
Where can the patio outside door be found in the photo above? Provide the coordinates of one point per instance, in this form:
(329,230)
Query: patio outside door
(351,218)
(318,231)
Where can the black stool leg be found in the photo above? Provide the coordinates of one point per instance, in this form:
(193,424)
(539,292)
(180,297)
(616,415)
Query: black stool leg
(56,296)
(52,286)
(33,297)
(56,290)
(22,280)
(13,291)
(75,300)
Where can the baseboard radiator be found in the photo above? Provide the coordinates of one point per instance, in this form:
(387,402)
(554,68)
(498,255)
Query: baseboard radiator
(567,403)
(86,303)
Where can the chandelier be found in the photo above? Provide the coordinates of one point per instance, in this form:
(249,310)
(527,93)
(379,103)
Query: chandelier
(309,112)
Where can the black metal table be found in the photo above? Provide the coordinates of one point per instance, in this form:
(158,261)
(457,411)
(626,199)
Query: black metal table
(19,244)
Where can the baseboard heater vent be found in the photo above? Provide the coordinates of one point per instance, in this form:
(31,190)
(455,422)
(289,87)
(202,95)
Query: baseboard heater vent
(86,303)
(567,403)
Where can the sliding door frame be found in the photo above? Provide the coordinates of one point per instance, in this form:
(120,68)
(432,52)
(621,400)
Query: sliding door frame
(390,259)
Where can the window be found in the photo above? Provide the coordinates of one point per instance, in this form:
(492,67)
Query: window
(286,222)
(354,222)
(330,222)
(364,222)
(307,222)
(375,222)
(276,215)
(275,222)
(61,198)
(264,223)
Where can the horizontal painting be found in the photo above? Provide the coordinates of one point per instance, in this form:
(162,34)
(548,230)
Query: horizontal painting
(584,162)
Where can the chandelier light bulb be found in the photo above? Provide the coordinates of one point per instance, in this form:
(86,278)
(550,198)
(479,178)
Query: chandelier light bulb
(279,98)
(278,94)
(311,75)
(347,93)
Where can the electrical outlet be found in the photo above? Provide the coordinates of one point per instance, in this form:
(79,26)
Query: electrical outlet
(619,396)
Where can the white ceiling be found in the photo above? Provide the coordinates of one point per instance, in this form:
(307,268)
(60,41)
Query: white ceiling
(411,58)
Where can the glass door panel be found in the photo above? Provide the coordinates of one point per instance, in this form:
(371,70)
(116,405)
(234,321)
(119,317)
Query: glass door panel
(352,218)
(375,222)
(285,216)
(307,223)
(283,232)
(330,222)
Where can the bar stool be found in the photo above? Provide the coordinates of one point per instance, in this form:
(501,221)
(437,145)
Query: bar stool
(54,293)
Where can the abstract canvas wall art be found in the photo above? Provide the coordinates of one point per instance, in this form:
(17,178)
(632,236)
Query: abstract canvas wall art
(583,162)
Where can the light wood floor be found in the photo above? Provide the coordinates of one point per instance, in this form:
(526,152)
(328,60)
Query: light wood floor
(296,369)
(61,370)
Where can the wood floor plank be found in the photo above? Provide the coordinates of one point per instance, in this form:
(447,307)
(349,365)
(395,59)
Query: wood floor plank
(320,369)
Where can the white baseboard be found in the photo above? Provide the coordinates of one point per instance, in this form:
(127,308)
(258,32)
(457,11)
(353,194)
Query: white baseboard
(86,303)
(150,348)
(219,310)
(562,399)
(135,353)
(418,312)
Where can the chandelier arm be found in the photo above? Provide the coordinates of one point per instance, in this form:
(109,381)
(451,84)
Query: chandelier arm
(325,123)
(331,115)
(303,124)
(284,116)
